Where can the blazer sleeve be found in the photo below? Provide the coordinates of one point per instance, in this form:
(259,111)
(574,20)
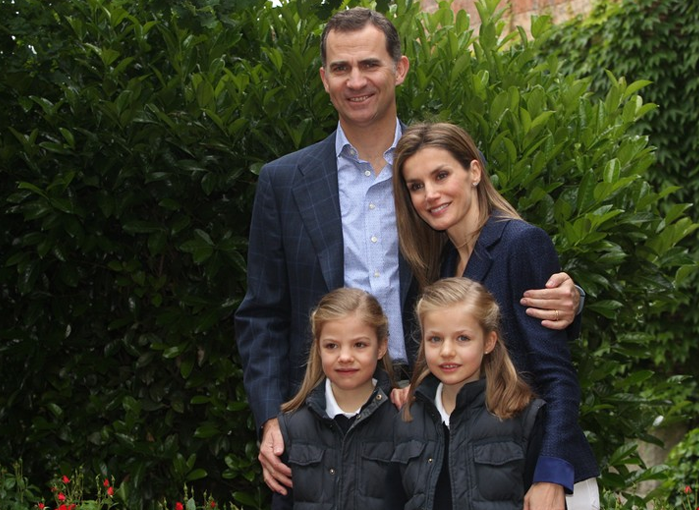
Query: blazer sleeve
(262,321)
(544,353)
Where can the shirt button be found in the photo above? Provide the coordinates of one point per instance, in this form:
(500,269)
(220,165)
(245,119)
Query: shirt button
(372,206)
(367,173)
(374,239)
(376,274)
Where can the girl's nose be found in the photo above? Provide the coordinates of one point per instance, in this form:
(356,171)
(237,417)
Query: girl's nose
(447,348)
(345,355)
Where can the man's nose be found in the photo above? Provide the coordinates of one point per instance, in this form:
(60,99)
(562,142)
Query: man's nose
(356,79)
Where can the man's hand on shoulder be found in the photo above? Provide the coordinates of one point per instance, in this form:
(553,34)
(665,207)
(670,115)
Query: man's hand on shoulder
(556,305)
(276,474)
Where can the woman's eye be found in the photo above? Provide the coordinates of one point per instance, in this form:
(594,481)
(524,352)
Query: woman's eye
(415,186)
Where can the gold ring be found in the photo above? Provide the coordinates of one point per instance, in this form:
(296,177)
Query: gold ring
(556,315)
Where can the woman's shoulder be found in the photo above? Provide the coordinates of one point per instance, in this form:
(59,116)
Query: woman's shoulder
(520,232)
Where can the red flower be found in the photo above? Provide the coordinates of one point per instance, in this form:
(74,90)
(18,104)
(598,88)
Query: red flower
(61,497)
(110,491)
(106,482)
(41,506)
(65,479)
(213,504)
(179,506)
(62,507)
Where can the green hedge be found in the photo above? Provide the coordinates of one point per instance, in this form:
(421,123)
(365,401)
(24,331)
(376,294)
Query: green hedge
(130,138)
(655,41)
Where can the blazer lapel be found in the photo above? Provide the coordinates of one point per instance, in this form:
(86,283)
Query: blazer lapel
(481,259)
(316,194)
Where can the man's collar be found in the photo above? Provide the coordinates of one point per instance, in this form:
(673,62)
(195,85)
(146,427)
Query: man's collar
(341,140)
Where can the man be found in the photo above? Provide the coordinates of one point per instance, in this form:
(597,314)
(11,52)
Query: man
(324,218)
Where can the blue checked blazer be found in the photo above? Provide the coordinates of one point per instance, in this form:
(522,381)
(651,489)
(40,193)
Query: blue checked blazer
(295,256)
(511,256)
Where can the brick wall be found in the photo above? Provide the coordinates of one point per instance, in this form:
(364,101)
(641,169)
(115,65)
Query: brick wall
(520,11)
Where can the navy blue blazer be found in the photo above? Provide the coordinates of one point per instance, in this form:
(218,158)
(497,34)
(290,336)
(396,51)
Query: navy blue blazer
(510,257)
(295,256)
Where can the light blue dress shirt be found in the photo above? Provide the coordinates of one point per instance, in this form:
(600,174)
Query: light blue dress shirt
(370,234)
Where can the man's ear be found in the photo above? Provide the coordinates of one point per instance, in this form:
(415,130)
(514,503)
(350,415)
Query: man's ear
(322,77)
(402,67)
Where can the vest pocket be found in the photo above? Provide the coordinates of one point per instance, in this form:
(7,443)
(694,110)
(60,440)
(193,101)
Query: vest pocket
(372,474)
(414,465)
(499,470)
(305,454)
(407,451)
(312,484)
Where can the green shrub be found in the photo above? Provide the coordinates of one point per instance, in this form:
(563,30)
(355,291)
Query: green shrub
(130,144)
(654,41)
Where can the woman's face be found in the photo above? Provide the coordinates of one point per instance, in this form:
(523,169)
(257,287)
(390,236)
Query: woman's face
(442,191)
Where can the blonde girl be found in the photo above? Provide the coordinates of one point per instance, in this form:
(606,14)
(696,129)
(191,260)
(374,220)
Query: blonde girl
(338,428)
(471,431)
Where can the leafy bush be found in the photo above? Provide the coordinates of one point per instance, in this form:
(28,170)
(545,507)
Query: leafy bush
(683,461)
(654,41)
(134,134)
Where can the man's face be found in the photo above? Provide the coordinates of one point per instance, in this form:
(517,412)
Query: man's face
(361,77)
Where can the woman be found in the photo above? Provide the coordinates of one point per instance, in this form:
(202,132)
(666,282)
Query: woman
(452,222)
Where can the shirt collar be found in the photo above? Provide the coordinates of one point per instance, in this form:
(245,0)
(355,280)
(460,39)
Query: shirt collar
(332,408)
(440,407)
(344,148)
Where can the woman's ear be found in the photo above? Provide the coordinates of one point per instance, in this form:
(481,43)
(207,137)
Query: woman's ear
(476,171)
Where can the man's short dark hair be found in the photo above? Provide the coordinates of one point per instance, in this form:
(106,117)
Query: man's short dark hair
(357,18)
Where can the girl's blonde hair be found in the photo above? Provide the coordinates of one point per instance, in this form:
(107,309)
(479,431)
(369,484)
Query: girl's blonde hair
(506,392)
(336,305)
(421,245)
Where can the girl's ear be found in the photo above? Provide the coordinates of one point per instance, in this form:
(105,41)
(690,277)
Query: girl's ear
(490,342)
(383,348)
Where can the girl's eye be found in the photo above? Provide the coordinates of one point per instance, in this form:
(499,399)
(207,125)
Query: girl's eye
(463,338)
(433,339)
(329,347)
(360,345)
